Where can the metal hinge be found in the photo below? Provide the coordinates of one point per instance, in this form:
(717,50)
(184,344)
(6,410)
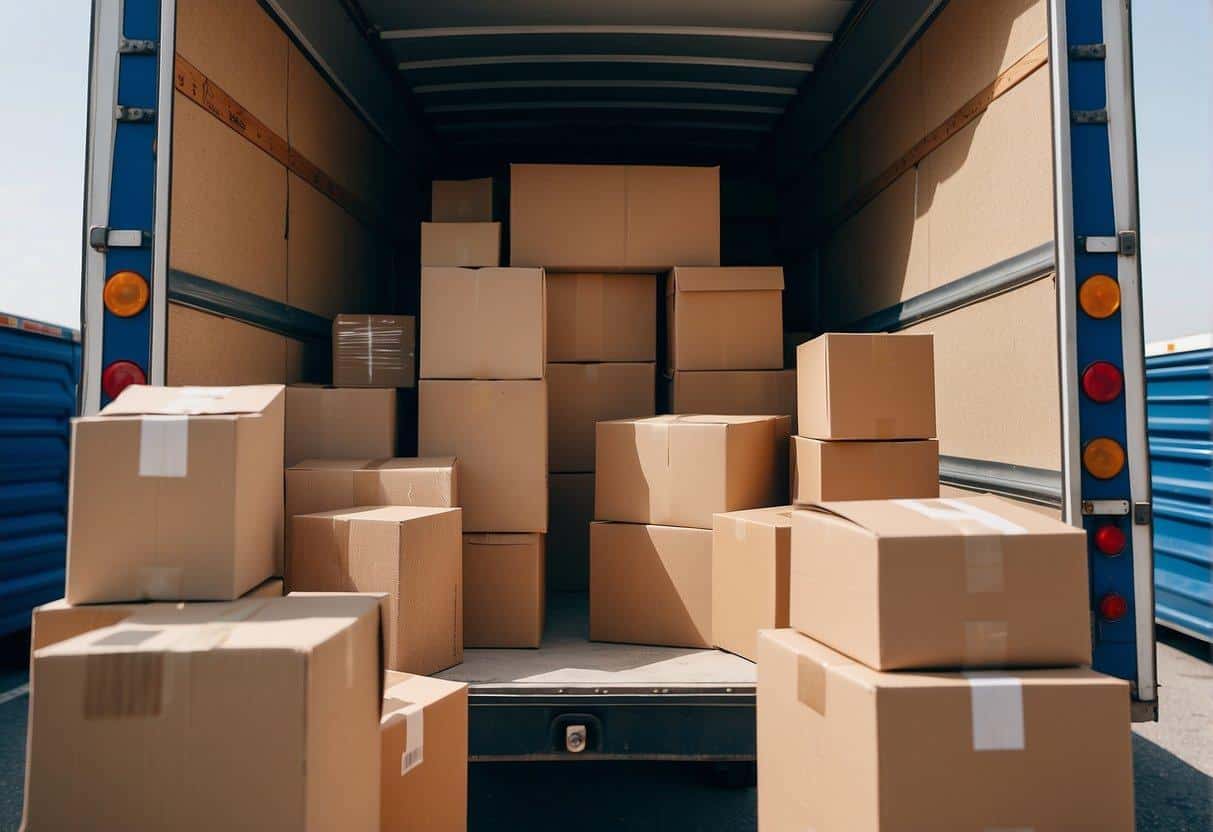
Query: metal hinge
(1143,514)
(1089,116)
(1088,52)
(138,115)
(134,46)
(1123,244)
(103,239)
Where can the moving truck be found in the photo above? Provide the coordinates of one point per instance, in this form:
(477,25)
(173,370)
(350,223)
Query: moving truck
(963,168)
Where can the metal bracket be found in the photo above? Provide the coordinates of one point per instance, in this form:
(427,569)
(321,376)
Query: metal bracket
(1123,244)
(1105,508)
(1089,116)
(1088,52)
(1143,514)
(134,46)
(137,115)
(103,239)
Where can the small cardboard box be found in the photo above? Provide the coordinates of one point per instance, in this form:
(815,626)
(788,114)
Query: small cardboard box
(465,244)
(735,392)
(176,495)
(586,218)
(410,553)
(257,714)
(339,423)
(424,755)
(680,470)
(324,484)
(374,351)
(581,395)
(650,585)
(860,386)
(602,317)
(482,323)
(461,200)
(750,556)
(498,430)
(571,497)
(912,584)
(504,590)
(824,471)
(725,318)
(842,746)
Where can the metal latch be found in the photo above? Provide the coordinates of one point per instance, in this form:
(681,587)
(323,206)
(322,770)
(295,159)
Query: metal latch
(135,46)
(103,239)
(1105,508)
(1143,514)
(1088,52)
(1089,116)
(1123,244)
(138,115)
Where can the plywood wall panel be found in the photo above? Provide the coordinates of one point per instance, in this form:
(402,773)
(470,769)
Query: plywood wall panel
(239,47)
(892,120)
(329,254)
(228,217)
(996,384)
(209,350)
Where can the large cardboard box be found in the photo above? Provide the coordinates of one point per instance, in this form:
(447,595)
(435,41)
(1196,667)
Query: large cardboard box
(423,773)
(650,584)
(602,317)
(680,470)
(413,554)
(339,423)
(374,351)
(211,716)
(461,200)
(860,386)
(504,590)
(844,747)
(725,318)
(970,582)
(750,561)
(482,323)
(467,244)
(824,471)
(581,395)
(585,218)
(571,501)
(176,495)
(323,484)
(498,430)
(734,392)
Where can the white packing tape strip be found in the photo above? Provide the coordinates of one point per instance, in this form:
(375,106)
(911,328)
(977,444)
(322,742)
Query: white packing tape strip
(959,512)
(163,446)
(997,712)
(370,350)
(985,643)
(414,730)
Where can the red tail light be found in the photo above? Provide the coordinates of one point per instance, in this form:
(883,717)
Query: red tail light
(119,375)
(1102,382)
(1113,607)
(1110,539)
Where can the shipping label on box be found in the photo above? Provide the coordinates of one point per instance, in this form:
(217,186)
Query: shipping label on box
(750,563)
(725,318)
(374,351)
(503,579)
(581,395)
(825,471)
(602,317)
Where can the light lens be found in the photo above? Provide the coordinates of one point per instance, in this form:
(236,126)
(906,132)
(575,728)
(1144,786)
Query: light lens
(120,375)
(1102,382)
(1103,458)
(1099,296)
(1113,607)
(1110,539)
(126,294)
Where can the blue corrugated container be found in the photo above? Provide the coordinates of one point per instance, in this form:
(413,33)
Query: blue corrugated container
(39,371)
(1179,389)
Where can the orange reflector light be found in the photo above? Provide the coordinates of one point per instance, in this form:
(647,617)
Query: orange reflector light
(1110,539)
(1099,296)
(1102,382)
(126,294)
(119,375)
(1103,458)
(1113,607)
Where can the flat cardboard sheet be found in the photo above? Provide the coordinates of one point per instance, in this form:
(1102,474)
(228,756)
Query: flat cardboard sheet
(828,471)
(324,484)
(374,351)
(602,317)
(571,508)
(339,423)
(466,244)
(725,318)
(461,200)
(581,395)
(504,590)
(750,562)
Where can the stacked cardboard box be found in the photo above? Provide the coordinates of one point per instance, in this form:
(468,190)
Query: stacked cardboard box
(462,231)
(602,348)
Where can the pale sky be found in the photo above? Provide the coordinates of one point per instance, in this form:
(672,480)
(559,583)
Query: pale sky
(44,68)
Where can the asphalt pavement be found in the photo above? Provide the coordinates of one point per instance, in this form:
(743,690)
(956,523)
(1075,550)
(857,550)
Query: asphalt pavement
(1173,768)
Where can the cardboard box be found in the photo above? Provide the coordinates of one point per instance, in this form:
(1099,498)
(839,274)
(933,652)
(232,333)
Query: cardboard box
(423,774)
(504,590)
(413,554)
(581,395)
(374,351)
(58,620)
(176,495)
(650,585)
(824,471)
(735,392)
(461,200)
(973,582)
(725,318)
(602,317)
(680,470)
(750,557)
(571,501)
(843,747)
(467,244)
(858,386)
(324,484)
(339,423)
(585,218)
(498,430)
(482,323)
(211,716)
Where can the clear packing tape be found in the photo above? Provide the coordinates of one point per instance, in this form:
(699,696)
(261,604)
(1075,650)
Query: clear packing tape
(365,346)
